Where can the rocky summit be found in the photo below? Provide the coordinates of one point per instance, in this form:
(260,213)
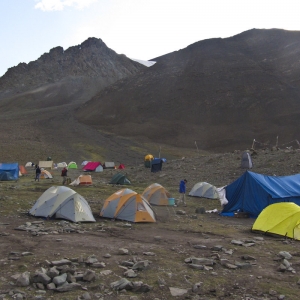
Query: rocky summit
(88,102)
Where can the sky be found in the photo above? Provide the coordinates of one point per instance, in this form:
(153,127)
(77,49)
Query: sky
(140,29)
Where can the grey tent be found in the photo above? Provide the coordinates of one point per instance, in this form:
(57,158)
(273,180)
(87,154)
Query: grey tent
(246,162)
(204,190)
(120,178)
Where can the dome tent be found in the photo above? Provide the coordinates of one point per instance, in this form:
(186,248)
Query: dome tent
(156,194)
(204,190)
(129,206)
(63,203)
(280,218)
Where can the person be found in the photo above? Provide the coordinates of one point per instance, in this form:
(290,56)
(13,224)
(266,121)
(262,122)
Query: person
(182,189)
(64,174)
(37,173)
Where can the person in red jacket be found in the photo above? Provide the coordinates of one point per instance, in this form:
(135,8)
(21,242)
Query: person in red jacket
(64,174)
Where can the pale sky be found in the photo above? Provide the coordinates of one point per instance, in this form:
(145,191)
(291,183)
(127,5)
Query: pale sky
(140,29)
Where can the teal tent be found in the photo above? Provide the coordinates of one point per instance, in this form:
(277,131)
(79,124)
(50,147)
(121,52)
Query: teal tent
(120,178)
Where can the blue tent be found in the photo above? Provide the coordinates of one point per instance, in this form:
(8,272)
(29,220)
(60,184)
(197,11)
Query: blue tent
(252,192)
(9,171)
(156,165)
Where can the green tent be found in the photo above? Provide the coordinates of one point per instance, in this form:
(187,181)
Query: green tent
(72,165)
(120,178)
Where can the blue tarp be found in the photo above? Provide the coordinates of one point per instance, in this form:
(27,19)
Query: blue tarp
(11,169)
(252,192)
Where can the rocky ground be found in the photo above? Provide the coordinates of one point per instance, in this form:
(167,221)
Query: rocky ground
(184,255)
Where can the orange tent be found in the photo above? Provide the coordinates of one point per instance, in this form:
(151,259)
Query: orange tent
(129,206)
(82,180)
(22,170)
(156,194)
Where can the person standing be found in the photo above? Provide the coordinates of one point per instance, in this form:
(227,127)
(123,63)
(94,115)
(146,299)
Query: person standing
(64,174)
(37,173)
(182,189)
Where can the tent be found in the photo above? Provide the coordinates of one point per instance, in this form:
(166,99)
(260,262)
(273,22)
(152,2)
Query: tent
(82,180)
(91,166)
(204,190)
(129,206)
(99,169)
(62,165)
(156,165)
(62,203)
(9,171)
(280,218)
(28,164)
(147,160)
(72,165)
(45,175)
(246,162)
(84,162)
(109,165)
(22,169)
(252,192)
(121,166)
(156,194)
(120,178)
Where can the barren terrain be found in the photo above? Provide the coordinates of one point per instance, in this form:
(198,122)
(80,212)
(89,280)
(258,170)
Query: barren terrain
(165,244)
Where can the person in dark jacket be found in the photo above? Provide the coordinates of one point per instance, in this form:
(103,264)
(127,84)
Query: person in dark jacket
(182,189)
(64,174)
(37,173)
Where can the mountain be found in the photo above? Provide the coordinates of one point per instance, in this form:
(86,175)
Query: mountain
(89,103)
(221,93)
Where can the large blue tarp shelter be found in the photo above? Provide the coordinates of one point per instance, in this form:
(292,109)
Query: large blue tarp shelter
(252,192)
(9,171)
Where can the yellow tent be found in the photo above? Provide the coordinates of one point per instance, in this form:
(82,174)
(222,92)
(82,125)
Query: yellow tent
(281,218)
(129,206)
(149,157)
(156,194)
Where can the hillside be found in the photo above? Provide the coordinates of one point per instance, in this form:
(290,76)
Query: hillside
(90,103)
(222,93)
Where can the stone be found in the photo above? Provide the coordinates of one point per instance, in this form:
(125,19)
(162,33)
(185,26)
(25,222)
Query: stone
(236,242)
(86,296)
(196,266)
(203,261)
(91,260)
(107,255)
(89,275)
(149,253)
(281,297)
(230,266)
(23,279)
(272,292)
(217,248)
(70,278)
(285,254)
(196,287)
(50,286)
(61,262)
(40,286)
(130,274)
(106,272)
(69,287)
(127,263)
(247,257)
(286,263)
(243,265)
(52,272)
(41,278)
(60,280)
(123,251)
(248,244)
(98,265)
(27,253)
(282,268)
(140,265)
(180,212)
(140,287)
(176,292)
(121,284)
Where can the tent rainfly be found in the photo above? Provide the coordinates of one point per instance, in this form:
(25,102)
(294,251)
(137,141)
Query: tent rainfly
(252,192)
(156,194)
(246,162)
(46,164)
(91,166)
(280,219)
(45,175)
(204,190)
(129,206)
(120,178)
(109,165)
(62,203)
(62,165)
(72,165)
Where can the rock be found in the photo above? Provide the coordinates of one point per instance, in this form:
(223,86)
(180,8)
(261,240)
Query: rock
(196,287)
(106,272)
(68,287)
(23,279)
(196,266)
(91,260)
(127,263)
(130,274)
(244,265)
(50,286)
(41,278)
(107,255)
(282,268)
(52,272)
(121,284)
(285,254)
(236,242)
(281,297)
(70,278)
(247,257)
(149,253)
(199,247)
(123,251)
(272,292)
(157,238)
(89,275)
(248,244)
(140,265)
(286,263)
(98,265)
(203,261)
(27,253)
(217,248)
(40,286)
(176,292)
(259,238)
(61,262)
(60,280)
(230,266)
(86,296)
(140,287)
(180,212)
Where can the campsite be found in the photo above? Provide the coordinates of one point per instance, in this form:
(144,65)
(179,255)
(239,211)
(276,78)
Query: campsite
(236,263)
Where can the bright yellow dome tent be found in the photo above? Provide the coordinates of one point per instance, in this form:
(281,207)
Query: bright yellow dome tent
(280,218)
(156,194)
(129,206)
